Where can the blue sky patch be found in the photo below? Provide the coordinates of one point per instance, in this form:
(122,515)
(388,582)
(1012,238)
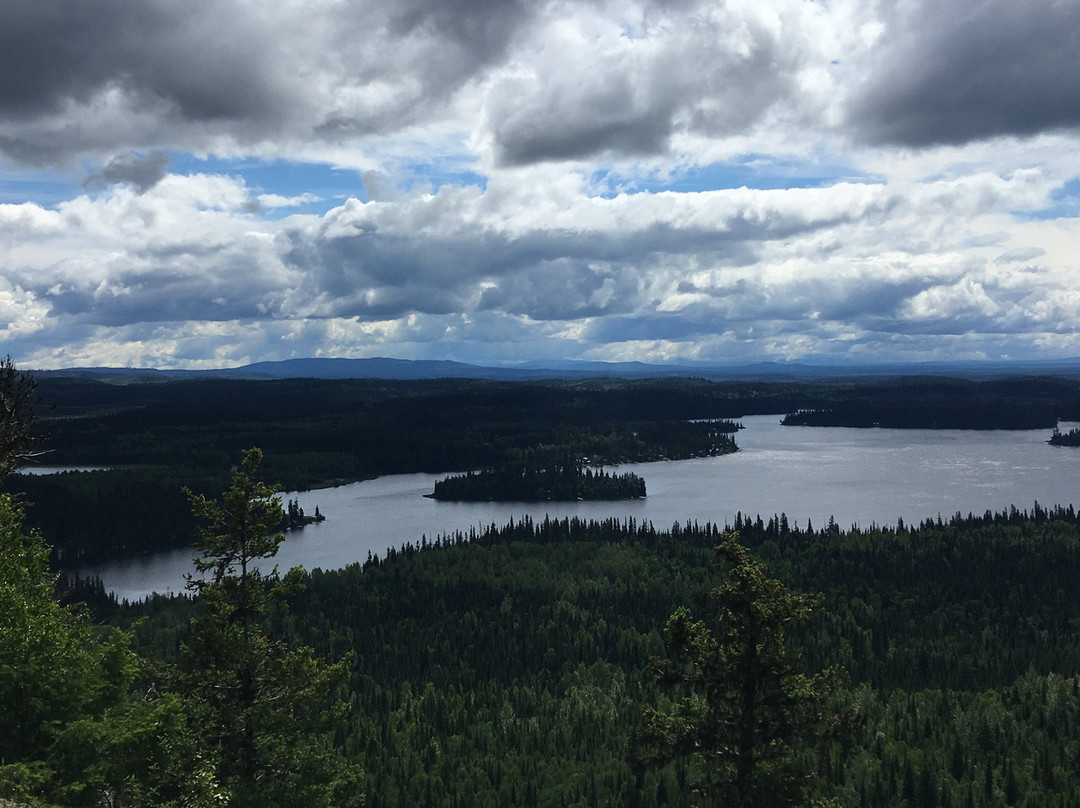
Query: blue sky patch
(1064,204)
(760,172)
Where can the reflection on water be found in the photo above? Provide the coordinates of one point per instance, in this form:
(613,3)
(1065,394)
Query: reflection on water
(857,476)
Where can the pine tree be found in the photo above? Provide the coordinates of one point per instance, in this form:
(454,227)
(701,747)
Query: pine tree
(260,706)
(17,440)
(745,710)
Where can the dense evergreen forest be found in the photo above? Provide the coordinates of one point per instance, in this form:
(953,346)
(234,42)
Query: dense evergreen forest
(554,483)
(162,437)
(510,667)
(159,437)
(935,664)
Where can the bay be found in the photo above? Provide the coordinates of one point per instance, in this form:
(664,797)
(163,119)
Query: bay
(856,476)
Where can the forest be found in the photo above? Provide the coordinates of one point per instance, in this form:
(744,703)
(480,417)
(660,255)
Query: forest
(523,672)
(548,663)
(156,438)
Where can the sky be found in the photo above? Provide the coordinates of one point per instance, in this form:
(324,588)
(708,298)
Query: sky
(218,182)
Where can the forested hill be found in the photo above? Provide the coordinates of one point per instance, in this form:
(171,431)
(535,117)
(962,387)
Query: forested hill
(315,431)
(387,368)
(935,403)
(509,667)
(161,436)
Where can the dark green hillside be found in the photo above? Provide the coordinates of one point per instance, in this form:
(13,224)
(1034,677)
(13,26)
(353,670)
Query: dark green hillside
(162,436)
(508,668)
(939,403)
(168,433)
(513,666)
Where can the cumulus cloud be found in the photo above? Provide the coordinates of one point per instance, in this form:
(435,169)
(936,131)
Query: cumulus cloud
(530,82)
(279,201)
(207,75)
(950,71)
(625,87)
(500,148)
(682,271)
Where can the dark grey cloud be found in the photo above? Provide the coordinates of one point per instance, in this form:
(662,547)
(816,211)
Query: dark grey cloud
(855,299)
(393,269)
(98,76)
(197,55)
(480,27)
(954,71)
(169,295)
(630,104)
(181,74)
(143,173)
(583,122)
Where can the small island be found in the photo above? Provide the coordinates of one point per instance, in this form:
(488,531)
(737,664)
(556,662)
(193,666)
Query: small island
(961,413)
(564,482)
(1070,438)
(295,518)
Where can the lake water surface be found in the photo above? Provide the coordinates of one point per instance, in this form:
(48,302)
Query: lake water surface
(857,476)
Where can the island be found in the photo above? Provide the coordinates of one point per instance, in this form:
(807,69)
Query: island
(564,482)
(1070,438)
(294,517)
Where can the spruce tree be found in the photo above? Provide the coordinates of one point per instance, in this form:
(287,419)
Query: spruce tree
(741,713)
(261,706)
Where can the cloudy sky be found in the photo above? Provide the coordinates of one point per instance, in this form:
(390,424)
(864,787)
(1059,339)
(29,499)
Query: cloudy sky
(214,182)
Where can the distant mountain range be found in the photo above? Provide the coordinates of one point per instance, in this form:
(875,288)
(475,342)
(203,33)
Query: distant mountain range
(402,369)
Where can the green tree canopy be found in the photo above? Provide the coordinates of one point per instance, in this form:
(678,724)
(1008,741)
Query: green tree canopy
(17,442)
(56,668)
(741,709)
(261,708)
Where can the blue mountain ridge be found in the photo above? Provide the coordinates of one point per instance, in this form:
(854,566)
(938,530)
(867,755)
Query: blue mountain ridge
(415,369)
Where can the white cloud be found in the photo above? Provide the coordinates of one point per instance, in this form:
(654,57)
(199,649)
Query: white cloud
(504,147)
(278,201)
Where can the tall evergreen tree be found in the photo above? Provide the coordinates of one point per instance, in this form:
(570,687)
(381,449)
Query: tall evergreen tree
(261,707)
(17,441)
(744,708)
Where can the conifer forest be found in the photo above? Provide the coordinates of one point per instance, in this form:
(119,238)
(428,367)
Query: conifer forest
(562,663)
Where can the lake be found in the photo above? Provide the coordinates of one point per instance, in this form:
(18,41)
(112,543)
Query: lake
(857,476)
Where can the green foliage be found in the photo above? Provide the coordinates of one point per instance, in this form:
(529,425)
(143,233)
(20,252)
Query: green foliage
(17,440)
(57,670)
(136,755)
(506,666)
(258,706)
(747,709)
(238,531)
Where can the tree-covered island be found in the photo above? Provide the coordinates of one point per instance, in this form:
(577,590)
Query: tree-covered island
(558,481)
(296,519)
(1070,438)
